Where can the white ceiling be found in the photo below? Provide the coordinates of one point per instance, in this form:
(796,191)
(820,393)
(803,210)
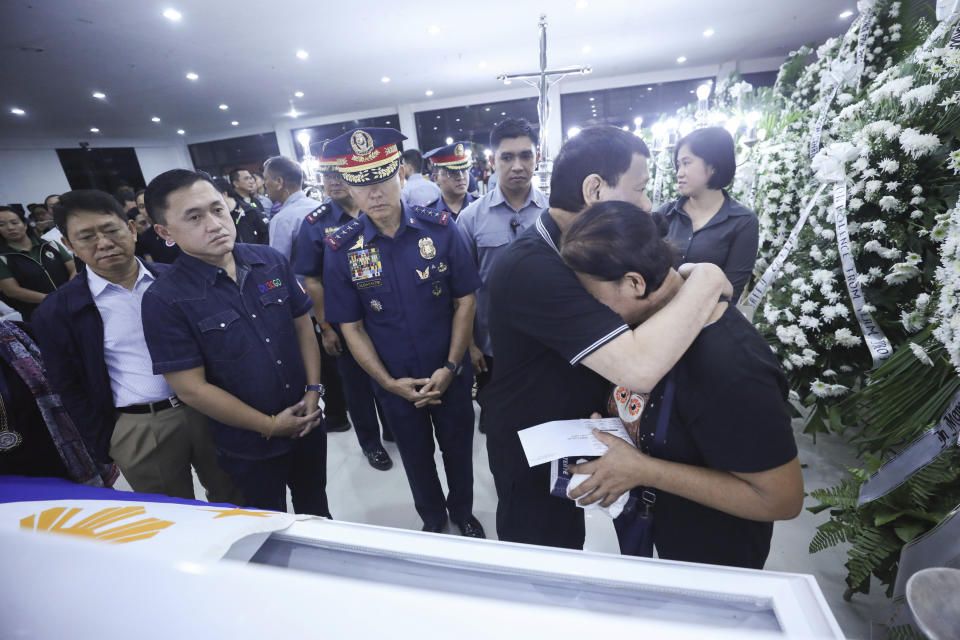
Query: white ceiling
(56,53)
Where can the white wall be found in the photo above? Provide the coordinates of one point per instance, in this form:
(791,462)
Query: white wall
(30,169)
(30,175)
(155,160)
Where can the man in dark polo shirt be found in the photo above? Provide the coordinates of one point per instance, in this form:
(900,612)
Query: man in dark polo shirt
(557,346)
(227,326)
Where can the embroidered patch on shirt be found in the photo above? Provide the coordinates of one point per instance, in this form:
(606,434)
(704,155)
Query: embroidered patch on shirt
(269,285)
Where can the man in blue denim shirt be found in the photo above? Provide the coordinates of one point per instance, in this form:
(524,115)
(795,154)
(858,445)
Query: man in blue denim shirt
(228,328)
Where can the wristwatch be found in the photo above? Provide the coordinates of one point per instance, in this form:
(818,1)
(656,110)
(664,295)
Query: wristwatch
(319,388)
(454,367)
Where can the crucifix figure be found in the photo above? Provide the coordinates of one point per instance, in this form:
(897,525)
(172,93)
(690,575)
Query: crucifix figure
(542,81)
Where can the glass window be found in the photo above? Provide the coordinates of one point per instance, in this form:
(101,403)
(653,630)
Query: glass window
(471,123)
(220,157)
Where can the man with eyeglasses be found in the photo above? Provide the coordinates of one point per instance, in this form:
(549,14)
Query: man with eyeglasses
(91,334)
(451,166)
(496,219)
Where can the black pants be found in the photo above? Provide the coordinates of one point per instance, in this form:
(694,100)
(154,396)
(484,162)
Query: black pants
(483,379)
(358,389)
(334,402)
(264,482)
(526,512)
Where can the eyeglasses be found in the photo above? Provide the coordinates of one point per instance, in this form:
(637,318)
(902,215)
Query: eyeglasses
(90,239)
(453,173)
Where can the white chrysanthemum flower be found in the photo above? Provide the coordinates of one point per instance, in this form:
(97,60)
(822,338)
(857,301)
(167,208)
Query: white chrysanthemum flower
(855,204)
(845,338)
(829,373)
(920,354)
(845,98)
(954,162)
(870,173)
(888,165)
(873,186)
(819,388)
(873,246)
(916,190)
(917,144)
(793,396)
(916,214)
(901,272)
(923,300)
(808,306)
(917,201)
(789,268)
(822,276)
(786,364)
(892,185)
(861,164)
(809,322)
(891,132)
(920,96)
(913,321)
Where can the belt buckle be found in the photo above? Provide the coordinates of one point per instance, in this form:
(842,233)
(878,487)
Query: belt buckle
(174,401)
(649,497)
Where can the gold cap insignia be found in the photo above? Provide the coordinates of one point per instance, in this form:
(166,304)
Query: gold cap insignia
(361,142)
(458,151)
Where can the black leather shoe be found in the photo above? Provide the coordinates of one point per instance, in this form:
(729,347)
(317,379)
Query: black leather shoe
(379,459)
(436,527)
(471,528)
(388,437)
(338,424)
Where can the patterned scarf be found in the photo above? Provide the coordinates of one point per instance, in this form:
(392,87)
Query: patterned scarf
(23,356)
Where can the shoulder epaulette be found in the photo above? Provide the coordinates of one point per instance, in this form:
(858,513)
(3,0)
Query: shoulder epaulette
(435,216)
(314,215)
(343,234)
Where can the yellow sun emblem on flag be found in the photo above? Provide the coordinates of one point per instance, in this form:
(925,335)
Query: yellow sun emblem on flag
(99,525)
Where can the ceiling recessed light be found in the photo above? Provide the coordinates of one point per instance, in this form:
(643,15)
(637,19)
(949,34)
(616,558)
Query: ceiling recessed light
(458,119)
(94,130)
(708,32)
(234,123)
(482,64)
(17,111)
(649,88)
(293,113)
(586,48)
(180,131)
(681,59)
(388,122)
(434,128)
(154,119)
(223,107)
(298,94)
(172,14)
(449,140)
(503,113)
(303,55)
(486,108)
(192,76)
(433,29)
(846,14)
(592,99)
(438,117)
(428,92)
(384,79)
(99,95)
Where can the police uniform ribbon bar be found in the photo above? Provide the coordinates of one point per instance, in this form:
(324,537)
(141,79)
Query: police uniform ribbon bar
(921,452)
(760,290)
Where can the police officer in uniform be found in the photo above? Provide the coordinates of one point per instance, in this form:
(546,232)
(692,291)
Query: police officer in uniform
(451,172)
(284,182)
(401,283)
(337,211)
(251,229)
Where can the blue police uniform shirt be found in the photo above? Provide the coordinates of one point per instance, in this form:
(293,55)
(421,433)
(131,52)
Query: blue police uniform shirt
(441,205)
(402,287)
(418,191)
(241,332)
(309,248)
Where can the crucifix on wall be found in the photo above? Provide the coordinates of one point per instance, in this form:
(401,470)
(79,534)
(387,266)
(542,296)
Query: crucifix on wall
(542,80)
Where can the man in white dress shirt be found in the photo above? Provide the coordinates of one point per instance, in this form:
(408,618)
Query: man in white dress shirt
(91,335)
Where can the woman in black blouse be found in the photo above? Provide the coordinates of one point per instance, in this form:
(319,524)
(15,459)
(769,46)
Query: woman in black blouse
(705,223)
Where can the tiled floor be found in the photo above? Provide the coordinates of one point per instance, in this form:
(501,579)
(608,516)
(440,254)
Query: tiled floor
(359,493)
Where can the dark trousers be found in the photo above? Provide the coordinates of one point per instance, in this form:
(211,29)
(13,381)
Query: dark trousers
(334,401)
(414,429)
(264,483)
(358,390)
(526,512)
(483,379)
